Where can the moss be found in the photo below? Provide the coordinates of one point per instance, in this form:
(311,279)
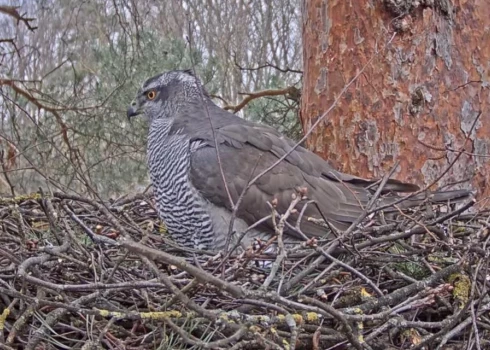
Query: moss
(312,317)
(358,311)
(461,290)
(160,315)
(441,259)
(156,315)
(20,199)
(297,318)
(3,317)
(410,268)
(254,329)
(107,313)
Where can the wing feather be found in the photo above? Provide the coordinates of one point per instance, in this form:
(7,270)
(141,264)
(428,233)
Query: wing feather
(246,149)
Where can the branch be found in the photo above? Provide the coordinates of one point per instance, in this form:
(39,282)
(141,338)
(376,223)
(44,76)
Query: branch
(201,275)
(267,65)
(12,11)
(291,90)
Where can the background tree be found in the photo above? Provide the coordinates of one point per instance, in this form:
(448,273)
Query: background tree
(66,80)
(422,98)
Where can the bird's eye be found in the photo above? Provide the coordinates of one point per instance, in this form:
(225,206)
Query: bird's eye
(151,94)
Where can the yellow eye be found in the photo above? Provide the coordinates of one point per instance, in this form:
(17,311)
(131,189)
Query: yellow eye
(151,94)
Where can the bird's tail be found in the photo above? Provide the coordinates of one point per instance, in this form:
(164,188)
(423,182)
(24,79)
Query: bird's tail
(438,197)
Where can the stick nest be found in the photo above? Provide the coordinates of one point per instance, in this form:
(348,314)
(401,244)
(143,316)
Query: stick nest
(82,274)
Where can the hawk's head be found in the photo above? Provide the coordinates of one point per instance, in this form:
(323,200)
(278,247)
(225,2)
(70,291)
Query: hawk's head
(162,95)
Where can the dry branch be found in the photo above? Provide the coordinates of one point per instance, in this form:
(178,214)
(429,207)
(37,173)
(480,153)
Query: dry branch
(67,259)
(291,90)
(13,12)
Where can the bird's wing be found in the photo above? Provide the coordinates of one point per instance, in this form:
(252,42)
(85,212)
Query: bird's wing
(339,204)
(268,139)
(246,149)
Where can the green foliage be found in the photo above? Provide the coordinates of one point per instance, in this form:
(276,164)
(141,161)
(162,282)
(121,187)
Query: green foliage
(279,112)
(148,56)
(88,72)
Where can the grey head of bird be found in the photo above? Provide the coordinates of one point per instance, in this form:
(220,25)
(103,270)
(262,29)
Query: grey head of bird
(163,95)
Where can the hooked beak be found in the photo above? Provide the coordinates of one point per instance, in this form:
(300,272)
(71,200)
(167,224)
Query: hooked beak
(134,110)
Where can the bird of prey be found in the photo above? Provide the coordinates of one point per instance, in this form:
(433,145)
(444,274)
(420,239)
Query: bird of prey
(186,131)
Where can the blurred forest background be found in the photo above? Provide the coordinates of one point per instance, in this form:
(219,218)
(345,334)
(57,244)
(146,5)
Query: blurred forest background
(69,69)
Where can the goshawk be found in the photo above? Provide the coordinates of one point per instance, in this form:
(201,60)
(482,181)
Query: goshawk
(187,130)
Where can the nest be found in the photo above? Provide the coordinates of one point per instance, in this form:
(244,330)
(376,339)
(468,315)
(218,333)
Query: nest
(82,274)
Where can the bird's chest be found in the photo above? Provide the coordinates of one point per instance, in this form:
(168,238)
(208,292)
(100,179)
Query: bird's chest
(179,204)
(168,163)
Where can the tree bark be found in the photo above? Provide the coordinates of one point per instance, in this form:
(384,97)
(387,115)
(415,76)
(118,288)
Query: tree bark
(416,102)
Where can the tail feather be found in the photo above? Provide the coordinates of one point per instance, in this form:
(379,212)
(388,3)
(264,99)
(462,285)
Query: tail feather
(453,196)
(439,197)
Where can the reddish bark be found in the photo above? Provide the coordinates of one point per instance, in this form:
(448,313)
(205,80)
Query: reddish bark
(415,102)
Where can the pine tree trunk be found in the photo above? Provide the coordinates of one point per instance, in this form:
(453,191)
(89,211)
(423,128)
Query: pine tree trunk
(418,101)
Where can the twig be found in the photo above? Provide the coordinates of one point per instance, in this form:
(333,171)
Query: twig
(12,11)
(279,230)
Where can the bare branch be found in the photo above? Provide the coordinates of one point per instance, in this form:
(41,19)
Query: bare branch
(12,11)
(289,91)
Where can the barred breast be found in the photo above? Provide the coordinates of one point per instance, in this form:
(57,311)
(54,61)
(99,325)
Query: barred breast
(179,204)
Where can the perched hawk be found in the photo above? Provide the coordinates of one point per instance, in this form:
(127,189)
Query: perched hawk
(187,130)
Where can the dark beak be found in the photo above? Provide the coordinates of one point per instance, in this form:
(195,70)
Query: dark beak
(133,110)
